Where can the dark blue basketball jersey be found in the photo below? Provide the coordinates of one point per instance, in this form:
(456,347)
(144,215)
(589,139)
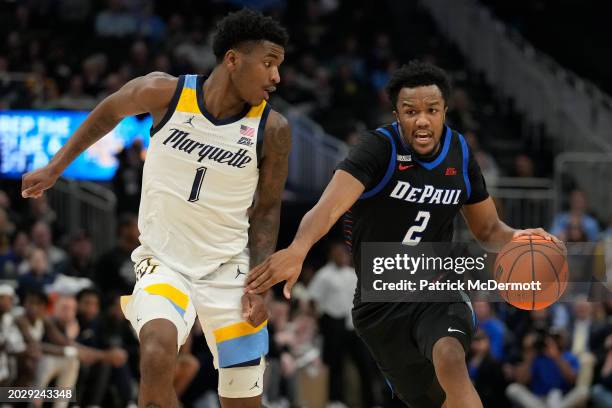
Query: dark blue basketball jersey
(407,199)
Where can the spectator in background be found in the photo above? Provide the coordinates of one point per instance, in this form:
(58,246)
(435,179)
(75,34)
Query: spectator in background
(493,327)
(486,372)
(93,70)
(187,366)
(127,181)
(332,290)
(547,374)
(12,345)
(576,216)
(41,238)
(276,376)
(38,275)
(581,332)
(197,51)
(461,115)
(61,354)
(80,262)
(601,393)
(115,269)
(15,258)
(39,210)
(150,25)
(118,333)
(488,165)
(5,204)
(115,21)
(94,379)
(5,242)
(76,98)
(523,166)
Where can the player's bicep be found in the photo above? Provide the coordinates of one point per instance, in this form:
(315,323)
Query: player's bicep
(481,217)
(274,168)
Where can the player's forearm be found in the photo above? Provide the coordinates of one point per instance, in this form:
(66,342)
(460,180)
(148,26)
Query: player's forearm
(263,233)
(495,237)
(98,123)
(314,225)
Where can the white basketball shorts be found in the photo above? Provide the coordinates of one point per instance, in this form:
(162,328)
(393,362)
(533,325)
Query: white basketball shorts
(238,348)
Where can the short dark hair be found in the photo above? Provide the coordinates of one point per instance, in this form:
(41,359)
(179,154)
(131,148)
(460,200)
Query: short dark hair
(37,294)
(416,74)
(87,292)
(244,26)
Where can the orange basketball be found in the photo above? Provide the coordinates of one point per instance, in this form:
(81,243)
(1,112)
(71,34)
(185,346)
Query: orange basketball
(525,261)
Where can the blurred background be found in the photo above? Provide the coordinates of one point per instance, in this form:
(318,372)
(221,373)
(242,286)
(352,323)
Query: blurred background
(531,94)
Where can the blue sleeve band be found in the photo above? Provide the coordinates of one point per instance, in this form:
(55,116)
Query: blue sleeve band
(466,161)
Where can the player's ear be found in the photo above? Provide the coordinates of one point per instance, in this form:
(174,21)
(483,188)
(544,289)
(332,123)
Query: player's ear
(231,59)
(395,115)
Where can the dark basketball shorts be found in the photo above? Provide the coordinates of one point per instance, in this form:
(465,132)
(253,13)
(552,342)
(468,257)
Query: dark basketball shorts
(401,337)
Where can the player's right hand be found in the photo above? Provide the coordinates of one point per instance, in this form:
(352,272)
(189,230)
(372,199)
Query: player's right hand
(284,265)
(35,182)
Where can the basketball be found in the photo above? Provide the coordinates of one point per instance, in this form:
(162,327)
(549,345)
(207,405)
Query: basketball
(528,259)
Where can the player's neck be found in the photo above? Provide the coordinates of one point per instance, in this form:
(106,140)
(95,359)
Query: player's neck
(220,99)
(429,157)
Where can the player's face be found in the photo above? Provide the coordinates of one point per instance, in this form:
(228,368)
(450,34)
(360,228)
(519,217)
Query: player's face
(420,113)
(256,71)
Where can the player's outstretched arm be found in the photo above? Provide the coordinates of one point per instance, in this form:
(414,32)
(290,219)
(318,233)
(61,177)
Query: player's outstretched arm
(341,193)
(491,232)
(149,93)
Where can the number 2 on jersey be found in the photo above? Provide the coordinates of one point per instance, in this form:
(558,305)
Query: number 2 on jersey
(421,221)
(197,184)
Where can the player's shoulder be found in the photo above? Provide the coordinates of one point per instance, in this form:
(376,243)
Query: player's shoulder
(159,82)
(153,92)
(277,133)
(276,121)
(374,139)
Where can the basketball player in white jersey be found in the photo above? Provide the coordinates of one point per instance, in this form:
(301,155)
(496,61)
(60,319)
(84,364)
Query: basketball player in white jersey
(213,178)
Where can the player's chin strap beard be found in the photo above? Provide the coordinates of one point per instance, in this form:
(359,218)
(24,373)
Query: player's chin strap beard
(422,157)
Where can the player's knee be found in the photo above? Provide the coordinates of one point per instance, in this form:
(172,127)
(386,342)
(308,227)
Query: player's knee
(158,346)
(448,356)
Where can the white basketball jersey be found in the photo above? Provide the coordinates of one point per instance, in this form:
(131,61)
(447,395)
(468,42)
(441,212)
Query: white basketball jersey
(200,176)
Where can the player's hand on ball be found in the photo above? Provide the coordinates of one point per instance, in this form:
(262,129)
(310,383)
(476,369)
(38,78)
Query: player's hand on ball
(535,231)
(285,265)
(35,182)
(254,310)
(539,232)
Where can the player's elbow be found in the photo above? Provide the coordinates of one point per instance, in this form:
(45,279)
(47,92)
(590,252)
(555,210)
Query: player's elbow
(265,208)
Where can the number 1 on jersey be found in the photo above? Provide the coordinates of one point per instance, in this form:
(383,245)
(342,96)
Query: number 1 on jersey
(197,184)
(421,221)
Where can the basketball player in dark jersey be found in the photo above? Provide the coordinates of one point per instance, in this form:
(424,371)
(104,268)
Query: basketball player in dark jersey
(406,182)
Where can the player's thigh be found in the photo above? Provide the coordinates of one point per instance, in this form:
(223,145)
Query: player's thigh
(238,348)
(159,293)
(408,373)
(444,319)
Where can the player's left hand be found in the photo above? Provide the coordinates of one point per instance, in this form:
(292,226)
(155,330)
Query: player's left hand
(254,310)
(541,233)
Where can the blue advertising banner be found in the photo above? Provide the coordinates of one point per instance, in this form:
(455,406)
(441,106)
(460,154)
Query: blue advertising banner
(29,139)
